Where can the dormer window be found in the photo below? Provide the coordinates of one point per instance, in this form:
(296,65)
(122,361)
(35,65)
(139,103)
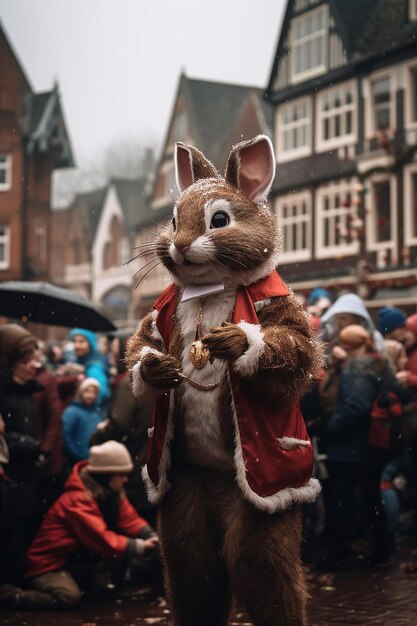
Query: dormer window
(309,44)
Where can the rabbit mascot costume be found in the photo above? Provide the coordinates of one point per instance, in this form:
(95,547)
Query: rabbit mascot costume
(226,354)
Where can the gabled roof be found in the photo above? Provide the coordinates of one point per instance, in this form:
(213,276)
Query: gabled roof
(90,205)
(387,29)
(133,201)
(367,28)
(44,126)
(352,17)
(214,108)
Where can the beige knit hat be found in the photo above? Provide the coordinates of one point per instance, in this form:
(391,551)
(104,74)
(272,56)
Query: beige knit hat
(110,457)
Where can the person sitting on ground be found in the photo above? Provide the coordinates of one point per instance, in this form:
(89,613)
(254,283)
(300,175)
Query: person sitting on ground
(92,518)
(79,420)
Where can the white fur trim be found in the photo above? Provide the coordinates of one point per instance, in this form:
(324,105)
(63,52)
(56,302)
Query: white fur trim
(151,432)
(247,364)
(261,304)
(140,388)
(279,501)
(292,443)
(156,492)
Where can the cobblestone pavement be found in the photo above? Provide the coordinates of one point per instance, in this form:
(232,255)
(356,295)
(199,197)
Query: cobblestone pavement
(375,598)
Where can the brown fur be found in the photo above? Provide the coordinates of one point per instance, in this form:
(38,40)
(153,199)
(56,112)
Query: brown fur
(215,542)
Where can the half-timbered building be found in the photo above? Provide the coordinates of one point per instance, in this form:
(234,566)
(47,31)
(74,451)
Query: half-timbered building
(344,90)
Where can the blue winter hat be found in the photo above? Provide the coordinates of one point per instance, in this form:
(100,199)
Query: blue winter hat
(390,318)
(317,293)
(87,334)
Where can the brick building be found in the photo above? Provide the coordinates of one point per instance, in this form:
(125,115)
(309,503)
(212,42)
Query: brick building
(33,142)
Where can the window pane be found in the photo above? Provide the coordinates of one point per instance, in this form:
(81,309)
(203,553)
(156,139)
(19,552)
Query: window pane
(382,90)
(337,132)
(2,177)
(348,120)
(382,211)
(382,120)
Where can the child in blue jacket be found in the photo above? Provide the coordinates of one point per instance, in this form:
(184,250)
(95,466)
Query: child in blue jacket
(80,419)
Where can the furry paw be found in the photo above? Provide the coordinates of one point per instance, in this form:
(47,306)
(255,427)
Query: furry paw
(160,370)
(227,341)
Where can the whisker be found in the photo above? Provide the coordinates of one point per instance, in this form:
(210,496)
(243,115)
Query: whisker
(143,267)
(230,258)
(146,244)
(227,270)
(146,273)
(214,269)
(148,231)
(139,255)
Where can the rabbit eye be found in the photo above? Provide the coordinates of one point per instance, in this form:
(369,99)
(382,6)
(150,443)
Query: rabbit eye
(174,223)
(219,220)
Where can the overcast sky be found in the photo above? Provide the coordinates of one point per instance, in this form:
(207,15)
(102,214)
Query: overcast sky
(118,61)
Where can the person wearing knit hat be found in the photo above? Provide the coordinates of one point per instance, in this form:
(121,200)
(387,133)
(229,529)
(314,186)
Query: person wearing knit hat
(391,323)
(111,457)
(79,421)
(93,516)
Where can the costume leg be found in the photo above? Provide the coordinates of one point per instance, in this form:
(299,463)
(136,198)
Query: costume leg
(196,578)
(263,552)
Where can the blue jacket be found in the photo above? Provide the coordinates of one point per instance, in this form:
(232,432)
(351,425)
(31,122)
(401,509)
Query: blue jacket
(93,363)
(79,421)
(348,428)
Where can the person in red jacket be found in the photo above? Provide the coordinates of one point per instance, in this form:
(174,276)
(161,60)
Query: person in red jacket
(92,516)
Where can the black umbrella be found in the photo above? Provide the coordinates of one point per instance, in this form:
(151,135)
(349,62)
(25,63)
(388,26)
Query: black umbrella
(48,304)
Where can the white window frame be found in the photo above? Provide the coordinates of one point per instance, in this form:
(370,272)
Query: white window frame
(370,126)
(5,240)
(408,100)
(371,243)
(320,69)
(410,221)
(7,167)
(343,140)
(298,254)
(332,189)
(301,151)
(412,10)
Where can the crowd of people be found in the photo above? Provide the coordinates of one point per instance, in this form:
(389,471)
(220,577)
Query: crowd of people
(73,509)
(73,514)
(362,418)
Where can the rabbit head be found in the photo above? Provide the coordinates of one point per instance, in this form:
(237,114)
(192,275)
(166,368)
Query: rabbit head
(222,230)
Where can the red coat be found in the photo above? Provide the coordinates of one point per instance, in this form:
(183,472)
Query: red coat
(270,475)
(75,523)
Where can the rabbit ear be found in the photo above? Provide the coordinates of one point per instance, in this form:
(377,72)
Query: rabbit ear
(251,167)
(191,165)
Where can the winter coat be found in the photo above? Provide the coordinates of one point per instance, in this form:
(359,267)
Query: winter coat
(49,426)
(93,364)
(79,421)
(75,523)
(362,379)
(17,406)
(273,456)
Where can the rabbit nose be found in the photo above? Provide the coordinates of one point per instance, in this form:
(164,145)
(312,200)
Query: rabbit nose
(182,249)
